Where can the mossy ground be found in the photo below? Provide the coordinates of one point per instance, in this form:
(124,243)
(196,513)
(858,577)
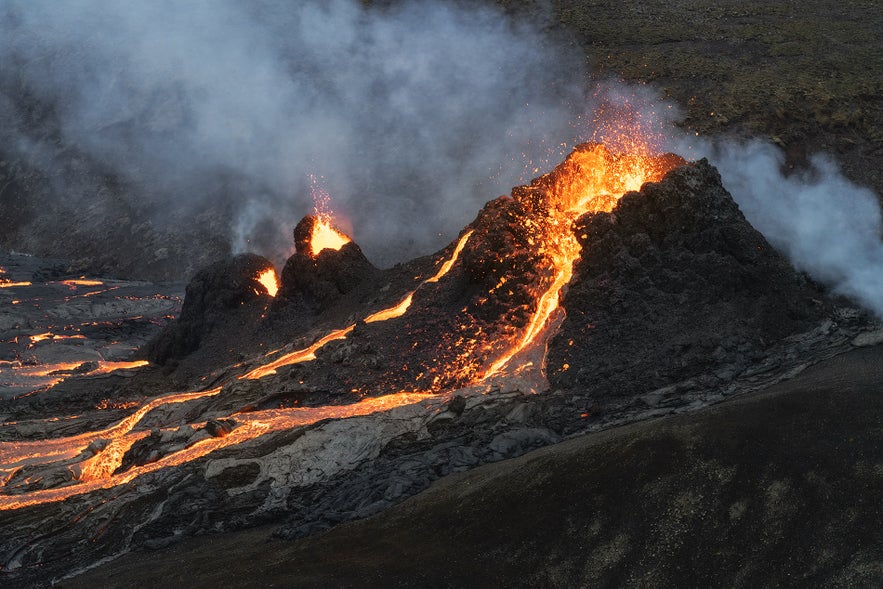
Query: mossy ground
(807,75)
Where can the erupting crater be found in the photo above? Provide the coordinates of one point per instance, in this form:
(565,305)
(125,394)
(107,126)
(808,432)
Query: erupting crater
(316,233)
(612,268)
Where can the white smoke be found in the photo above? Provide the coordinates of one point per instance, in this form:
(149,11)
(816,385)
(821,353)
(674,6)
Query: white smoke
(415,114)
(827,225)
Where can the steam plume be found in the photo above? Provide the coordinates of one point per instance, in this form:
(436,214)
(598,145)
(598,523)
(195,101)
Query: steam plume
(413,114)
(827,225)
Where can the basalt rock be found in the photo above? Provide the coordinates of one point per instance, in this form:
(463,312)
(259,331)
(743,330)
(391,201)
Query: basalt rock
(212,296)
(316,280)
(671,283)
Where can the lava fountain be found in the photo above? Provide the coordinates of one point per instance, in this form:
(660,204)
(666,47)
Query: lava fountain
(591,179)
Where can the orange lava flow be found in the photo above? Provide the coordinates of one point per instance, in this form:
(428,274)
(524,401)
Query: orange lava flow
(309,353)
(591,179)
(298,356)
(107,367)
(82,282)
(17,454)
(48,335)
(13,284)
(325,236)
(62,367)
(269,280)
(400,309)
(249,427)
(446,267)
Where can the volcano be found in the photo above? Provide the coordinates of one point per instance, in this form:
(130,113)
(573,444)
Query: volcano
(616,288)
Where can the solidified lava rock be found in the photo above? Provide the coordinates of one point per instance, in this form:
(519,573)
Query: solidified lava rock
(213,294)
(144,451)
(318,281)
(456,325)
(503,247)
(672,282)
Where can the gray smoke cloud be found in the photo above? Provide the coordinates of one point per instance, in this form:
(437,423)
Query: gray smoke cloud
(411,115)
(827,225)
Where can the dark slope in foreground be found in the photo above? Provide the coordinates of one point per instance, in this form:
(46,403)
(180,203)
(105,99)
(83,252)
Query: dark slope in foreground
(779,488)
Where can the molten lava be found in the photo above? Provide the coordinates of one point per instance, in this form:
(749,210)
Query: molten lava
(591,179)
(398,310)
(96,471)
(326,237)
(323,235)
(82,282)
(269,280)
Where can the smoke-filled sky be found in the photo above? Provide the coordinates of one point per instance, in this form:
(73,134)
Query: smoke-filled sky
(410,118)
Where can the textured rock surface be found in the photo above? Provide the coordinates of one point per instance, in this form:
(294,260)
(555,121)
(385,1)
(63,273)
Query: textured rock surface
(674,282)
(316,471)
(212,296)
(317,283)
(776,489)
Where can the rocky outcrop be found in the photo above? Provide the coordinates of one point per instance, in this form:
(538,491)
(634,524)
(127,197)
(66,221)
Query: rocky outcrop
(779,489)
(315,283)
(674,283)
(212,296)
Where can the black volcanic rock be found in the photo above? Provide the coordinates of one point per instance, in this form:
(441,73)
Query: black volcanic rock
(316,280)
(213,294)
(672,282)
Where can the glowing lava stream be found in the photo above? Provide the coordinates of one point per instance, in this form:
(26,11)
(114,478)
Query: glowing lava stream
(251,425)
(591,180)
(17,454)
(309,353)
(82,282)
(63,367)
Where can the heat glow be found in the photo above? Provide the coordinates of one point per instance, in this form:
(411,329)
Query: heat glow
(591,179)
(269,280)
(325,236)
(398,310)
